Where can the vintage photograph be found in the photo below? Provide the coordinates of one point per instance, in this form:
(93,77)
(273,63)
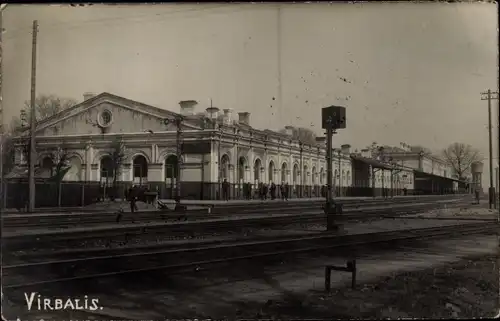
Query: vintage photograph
(248,161)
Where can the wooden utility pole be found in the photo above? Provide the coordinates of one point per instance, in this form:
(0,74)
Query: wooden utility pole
(488,95)
(32,148)
(2,200)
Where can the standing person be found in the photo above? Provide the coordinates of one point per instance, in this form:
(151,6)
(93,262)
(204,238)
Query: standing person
(476,192)
(244,190)
(273,191)
(282,191)
(133,198)
(265,190)
(249,191)
(287,191)
(225,190)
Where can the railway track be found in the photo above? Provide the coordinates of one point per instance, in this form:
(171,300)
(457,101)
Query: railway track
(15,221)
(245,204)
(88,268)
(104,236)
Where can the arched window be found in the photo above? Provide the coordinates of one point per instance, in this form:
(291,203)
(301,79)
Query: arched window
(283,173)
(271,172)
(295,174)
(224,167)
(75,169)
(256,169)
(140,170)
(107,170)
(171,171)
(241,168)
(314,174)
(47,166)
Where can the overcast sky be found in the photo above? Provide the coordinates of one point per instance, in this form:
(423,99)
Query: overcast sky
(405,72)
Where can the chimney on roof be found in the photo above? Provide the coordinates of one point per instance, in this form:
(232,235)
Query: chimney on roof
(366,153)
(289,130)
(187,107)
(228,116)
(212,113)
(244,118)
(88,95)
(346,149)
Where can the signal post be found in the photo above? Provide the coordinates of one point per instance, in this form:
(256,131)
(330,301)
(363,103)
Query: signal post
(332,119)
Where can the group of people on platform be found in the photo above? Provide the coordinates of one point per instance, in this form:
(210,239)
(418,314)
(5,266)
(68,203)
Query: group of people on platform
(263,191)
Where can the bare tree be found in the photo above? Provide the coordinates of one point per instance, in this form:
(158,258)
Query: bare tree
(460,157)
(60,160)
(117,157)
(61,166)
(8,155)
(47,106)
(305,135)
(11,144)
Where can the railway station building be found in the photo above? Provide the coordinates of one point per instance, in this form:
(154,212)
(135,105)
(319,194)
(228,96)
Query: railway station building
(216,146)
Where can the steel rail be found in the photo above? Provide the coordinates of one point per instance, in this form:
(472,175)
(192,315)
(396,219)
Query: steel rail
(18,220)
(51,237)
(356,209)
(341,241)
(227,208)
(85,252)
(171,231)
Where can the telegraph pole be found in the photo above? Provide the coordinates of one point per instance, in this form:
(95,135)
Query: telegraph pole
(496,183)
(178,123)
(339,176)
(32,149)
(491,191)
(2,200)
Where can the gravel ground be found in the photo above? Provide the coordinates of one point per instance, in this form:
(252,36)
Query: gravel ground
(464,289)
(241,234)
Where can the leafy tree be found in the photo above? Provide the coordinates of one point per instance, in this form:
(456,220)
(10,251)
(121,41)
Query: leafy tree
(460,157)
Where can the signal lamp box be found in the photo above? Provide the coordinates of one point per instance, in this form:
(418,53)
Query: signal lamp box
(333,117)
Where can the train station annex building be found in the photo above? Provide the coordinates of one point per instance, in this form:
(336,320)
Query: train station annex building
(89,130)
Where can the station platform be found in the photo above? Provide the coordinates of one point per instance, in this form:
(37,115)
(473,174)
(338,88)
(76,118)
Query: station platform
(203,204)
(298,200)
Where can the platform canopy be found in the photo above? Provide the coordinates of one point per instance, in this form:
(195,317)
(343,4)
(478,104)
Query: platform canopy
(423,176)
